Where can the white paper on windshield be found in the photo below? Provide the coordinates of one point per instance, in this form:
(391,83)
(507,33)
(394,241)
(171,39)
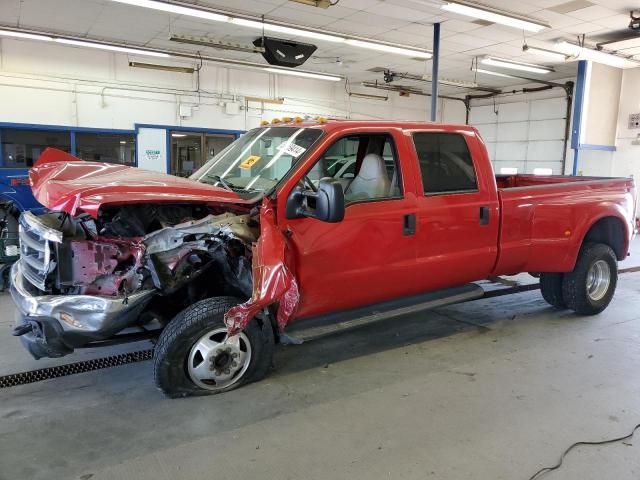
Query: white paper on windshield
(292,149)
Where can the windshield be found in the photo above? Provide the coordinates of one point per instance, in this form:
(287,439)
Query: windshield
(258,159)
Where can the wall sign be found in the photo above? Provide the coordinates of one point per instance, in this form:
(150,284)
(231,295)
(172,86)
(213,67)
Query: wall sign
(152,149)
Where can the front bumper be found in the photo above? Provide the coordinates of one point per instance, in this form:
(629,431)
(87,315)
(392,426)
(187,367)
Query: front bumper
(53,325)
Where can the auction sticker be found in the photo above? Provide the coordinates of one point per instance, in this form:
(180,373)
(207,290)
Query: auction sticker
(292,149)
(250,161)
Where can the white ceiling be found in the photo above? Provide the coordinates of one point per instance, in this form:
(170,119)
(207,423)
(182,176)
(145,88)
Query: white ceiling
(402,21)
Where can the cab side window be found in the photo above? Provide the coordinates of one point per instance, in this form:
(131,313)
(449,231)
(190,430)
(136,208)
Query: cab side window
(445,163)
(366,165)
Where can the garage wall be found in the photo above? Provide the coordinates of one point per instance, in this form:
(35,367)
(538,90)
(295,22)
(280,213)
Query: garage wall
(525,132)
(58,85)
(626,158)
(600,115)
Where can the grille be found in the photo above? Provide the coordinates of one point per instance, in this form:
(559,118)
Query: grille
(37,250)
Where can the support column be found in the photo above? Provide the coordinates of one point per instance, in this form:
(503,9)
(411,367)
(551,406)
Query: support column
(73,142)
(578,105)
(434,71)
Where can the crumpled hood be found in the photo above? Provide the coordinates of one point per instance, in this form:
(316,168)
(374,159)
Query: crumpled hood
(62,182)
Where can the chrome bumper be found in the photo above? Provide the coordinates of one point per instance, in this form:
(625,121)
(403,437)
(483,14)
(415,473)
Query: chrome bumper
(52,325)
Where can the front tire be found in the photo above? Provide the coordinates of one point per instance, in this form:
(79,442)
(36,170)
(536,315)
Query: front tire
(589,288)
(194,357)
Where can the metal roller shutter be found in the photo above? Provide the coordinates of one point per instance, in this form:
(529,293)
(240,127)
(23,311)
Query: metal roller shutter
(524,135)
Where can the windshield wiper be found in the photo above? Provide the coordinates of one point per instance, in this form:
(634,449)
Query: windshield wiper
(228,185)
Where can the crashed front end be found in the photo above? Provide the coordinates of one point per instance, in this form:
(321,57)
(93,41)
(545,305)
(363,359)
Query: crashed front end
(82,280)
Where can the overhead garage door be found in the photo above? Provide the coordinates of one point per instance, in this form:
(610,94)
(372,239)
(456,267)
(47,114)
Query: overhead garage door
(527,136)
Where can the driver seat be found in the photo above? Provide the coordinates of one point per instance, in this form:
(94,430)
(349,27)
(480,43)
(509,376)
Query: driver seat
(371,181)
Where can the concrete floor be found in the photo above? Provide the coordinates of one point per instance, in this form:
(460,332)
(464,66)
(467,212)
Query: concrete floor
(491,389)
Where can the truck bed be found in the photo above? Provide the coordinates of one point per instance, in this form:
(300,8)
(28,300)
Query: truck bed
(545,218)
(523,180)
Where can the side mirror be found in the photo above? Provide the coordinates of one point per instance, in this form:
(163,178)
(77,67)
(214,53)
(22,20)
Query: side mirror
(327,204)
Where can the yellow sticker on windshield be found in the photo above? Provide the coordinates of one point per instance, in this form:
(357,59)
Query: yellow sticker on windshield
(248,163)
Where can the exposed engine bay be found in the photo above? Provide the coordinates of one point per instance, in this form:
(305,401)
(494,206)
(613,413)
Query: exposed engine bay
(145,247)
(83,279)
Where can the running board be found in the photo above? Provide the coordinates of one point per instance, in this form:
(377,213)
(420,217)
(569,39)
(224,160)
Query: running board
(320,326)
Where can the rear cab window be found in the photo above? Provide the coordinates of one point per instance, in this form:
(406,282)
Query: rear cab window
(445,163)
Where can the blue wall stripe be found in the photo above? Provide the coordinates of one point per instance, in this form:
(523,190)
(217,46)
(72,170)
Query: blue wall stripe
(62,128)
(589,146)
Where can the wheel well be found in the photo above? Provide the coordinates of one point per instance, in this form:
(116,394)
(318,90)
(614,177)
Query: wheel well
(610,231)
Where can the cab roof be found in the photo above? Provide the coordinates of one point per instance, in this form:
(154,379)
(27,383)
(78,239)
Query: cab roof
(330,125)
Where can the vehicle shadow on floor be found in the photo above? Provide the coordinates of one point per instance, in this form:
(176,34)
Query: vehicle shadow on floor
(480,315)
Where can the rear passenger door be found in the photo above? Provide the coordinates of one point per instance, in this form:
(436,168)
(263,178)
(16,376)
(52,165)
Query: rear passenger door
(457,224)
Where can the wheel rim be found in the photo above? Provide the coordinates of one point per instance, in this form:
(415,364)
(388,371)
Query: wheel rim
(598,280)
(217,361)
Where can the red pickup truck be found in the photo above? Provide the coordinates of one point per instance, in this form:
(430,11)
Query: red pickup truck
(314,223)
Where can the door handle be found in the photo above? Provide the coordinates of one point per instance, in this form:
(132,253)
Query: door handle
(409,224)
(484,215)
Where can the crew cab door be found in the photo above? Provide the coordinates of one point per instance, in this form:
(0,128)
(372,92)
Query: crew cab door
(369,256)
(457,208)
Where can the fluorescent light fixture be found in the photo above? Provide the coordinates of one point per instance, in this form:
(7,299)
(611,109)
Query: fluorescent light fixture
(368,96)
(316,76)
(628,46)
(490,14)
(166,68)
(123,142)
(178,9)
(543,171)
(29,36)
(315,3)
(495,74)
(543,51)
(508,171)
(380,47)
(451,82)
(178,135)
(584,53)
(113,48)
(275,101)
(271,27)
(182,8)
(209,42)
(526,67)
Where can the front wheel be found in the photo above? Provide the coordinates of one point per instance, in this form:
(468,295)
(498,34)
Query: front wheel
(195,356)
(589,288)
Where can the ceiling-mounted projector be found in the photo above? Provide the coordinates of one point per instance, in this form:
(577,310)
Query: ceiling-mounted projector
(284,53)
(634,24)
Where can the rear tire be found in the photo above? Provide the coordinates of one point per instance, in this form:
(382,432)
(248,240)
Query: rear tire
(551,288)
(193,358)
(589,288)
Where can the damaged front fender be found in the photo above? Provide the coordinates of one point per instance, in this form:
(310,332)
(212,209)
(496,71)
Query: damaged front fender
(273,280)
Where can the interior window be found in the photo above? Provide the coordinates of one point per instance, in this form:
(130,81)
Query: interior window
(21,148)
(106,147)
(445,162)
(365,165)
